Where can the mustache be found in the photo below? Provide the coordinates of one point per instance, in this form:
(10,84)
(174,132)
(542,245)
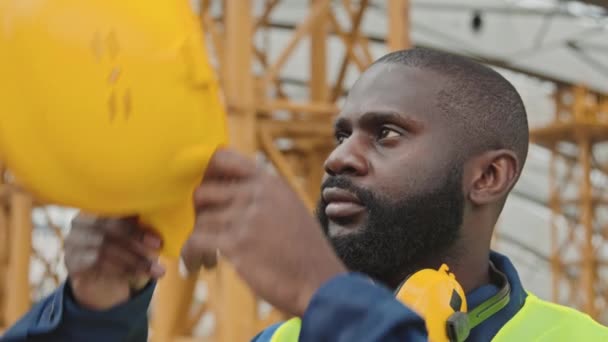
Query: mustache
(345,183)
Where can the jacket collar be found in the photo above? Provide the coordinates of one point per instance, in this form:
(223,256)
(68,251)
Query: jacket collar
(490,327)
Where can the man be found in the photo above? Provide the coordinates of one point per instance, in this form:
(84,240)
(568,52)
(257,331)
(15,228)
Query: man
(429,145)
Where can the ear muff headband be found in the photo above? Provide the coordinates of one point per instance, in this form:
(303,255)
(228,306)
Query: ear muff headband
(460,324)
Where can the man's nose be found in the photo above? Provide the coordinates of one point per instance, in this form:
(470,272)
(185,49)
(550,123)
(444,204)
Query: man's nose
(348,158)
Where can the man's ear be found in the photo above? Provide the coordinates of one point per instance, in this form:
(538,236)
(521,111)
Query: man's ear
(492,175)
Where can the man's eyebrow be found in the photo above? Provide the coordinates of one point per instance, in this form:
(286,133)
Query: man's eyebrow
(377,117)
(372,118)
(342,124)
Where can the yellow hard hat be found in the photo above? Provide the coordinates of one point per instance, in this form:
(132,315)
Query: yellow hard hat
(110,106)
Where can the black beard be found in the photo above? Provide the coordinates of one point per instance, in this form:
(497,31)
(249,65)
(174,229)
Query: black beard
(401,237)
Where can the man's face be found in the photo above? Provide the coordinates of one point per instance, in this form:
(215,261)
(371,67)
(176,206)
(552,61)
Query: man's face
(392,199)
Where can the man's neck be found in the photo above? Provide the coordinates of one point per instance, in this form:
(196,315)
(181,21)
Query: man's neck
(469,257)
(472,271)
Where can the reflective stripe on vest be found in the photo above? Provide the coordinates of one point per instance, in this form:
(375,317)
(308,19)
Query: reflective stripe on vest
(538,321)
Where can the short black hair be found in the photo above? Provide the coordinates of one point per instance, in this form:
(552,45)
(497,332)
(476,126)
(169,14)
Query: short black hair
(484,107)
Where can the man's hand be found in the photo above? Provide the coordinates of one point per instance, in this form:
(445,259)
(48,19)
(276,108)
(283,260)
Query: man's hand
(263,229)
(108,258)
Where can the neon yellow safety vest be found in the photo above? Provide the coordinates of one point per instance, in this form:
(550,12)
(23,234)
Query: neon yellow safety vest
(538,321)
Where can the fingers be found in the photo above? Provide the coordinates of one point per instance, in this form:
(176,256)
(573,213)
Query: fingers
(88,232)
(120,254)
(117,246)
(115,259)
(227,164)
(79,260)
(200,250)
(225,184)
(214,193)
(210,230)
(131,229)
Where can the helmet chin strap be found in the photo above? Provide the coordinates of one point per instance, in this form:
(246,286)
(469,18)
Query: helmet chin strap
(439,299)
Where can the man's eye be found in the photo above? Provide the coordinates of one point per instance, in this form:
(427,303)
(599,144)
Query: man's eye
(386,132)
(340,137)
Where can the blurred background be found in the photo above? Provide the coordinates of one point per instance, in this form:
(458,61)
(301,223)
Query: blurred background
(285,67)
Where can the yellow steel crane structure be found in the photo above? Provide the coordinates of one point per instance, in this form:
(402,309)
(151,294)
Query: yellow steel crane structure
(578,266)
